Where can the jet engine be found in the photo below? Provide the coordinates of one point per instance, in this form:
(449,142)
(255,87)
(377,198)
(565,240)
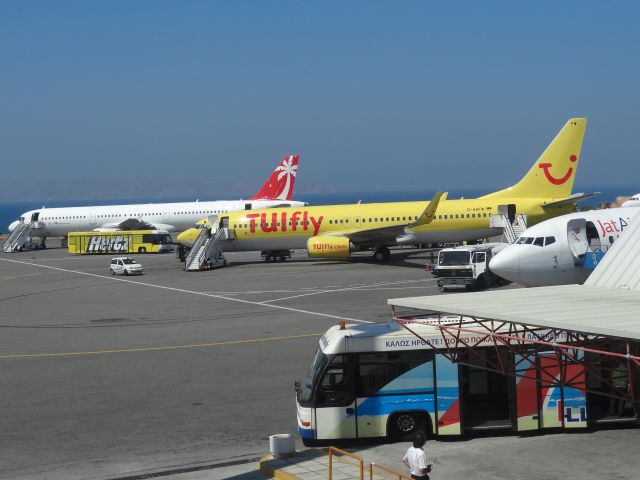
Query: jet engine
(329,247)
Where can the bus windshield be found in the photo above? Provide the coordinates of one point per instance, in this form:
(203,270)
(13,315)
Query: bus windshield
(163,239)
(453,258)
(317,365)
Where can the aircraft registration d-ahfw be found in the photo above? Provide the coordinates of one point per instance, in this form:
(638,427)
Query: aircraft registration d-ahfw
(334,231)
(563,250)
(276,192)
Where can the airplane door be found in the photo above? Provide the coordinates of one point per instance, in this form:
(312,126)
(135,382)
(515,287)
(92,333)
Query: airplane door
(577,237)
(92,218)
(166,217)
(347,222)
(508,210)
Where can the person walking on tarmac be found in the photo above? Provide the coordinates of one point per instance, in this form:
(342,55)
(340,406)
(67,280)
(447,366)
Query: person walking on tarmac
(415,458)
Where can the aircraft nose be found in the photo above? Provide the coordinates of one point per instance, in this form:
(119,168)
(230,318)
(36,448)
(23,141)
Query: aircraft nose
(506,264)
(188,235)
(13,226)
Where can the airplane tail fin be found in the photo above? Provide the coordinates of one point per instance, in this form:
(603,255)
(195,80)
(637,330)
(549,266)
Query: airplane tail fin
(553,173)
(279,186)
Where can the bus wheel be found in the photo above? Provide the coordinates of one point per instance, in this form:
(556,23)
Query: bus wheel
(403,426)
(142,250)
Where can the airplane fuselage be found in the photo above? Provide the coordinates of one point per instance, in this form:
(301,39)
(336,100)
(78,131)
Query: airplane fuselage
(555,252)
(455,220)
(165,216)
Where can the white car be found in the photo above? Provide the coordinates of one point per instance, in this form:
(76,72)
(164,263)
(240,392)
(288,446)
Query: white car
(125,266)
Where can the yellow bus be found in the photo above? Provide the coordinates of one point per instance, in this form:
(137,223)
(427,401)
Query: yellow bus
(125,241)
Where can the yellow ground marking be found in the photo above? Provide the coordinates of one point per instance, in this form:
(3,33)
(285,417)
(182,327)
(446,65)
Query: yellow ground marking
(156,349)
(21,276)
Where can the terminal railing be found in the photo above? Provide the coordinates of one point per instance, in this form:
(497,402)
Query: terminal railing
(387,473)
(340,455)
(375,470)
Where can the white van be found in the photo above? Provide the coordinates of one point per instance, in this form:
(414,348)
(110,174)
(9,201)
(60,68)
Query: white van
(125,266)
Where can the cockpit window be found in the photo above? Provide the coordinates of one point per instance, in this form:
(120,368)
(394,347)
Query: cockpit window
(527,240)
(539,241)
(549,241)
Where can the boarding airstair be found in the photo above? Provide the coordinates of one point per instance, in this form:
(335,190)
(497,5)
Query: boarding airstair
(206,252)
(21,236)
(510,230)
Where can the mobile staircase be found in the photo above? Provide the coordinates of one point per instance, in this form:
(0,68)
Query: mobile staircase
(21,236)
(510,231)
(206,252)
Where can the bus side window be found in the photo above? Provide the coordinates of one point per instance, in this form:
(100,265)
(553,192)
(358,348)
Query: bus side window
(336,386)
(392,373)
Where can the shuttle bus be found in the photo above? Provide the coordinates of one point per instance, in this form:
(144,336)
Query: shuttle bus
(380,380)
(125,241)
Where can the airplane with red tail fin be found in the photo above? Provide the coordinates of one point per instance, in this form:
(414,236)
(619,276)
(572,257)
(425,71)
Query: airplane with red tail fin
(277,191)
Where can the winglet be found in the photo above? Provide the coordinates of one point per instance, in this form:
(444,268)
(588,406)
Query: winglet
(430,211)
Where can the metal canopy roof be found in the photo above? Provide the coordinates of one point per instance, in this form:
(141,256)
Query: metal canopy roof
(603,311)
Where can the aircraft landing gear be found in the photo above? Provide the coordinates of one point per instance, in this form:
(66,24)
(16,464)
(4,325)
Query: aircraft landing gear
(380,254)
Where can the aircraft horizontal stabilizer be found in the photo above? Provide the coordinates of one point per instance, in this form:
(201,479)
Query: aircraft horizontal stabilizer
(430,211)
(575,198)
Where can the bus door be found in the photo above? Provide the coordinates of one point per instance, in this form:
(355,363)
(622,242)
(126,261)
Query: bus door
(608,376)
(485,395)
(335,400)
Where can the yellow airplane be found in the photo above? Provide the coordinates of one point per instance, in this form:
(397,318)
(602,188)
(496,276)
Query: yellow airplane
(334,231)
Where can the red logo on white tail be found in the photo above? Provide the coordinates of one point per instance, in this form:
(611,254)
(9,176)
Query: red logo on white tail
(279,186)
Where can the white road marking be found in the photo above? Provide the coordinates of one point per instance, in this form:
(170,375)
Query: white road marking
(193,292)
(375,286)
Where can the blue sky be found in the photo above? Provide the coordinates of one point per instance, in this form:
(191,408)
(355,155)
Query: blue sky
(153,98)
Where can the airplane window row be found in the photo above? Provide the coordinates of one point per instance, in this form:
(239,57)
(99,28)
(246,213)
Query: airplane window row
(461,215)
(265,225)
(537,241)
(197,213)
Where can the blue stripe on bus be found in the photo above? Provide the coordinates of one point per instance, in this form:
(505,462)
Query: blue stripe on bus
(385,405)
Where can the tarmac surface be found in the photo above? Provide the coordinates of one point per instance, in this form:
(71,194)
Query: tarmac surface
(185,375)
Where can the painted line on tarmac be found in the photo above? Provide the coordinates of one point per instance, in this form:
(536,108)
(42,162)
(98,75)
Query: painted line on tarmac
(156,349)
(373,286)
(192,292)
(21,276)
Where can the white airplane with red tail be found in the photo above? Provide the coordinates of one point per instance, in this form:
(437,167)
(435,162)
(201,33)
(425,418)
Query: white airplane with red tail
(276,192)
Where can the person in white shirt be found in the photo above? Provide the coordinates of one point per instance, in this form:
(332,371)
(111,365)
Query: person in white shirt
(415,458)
